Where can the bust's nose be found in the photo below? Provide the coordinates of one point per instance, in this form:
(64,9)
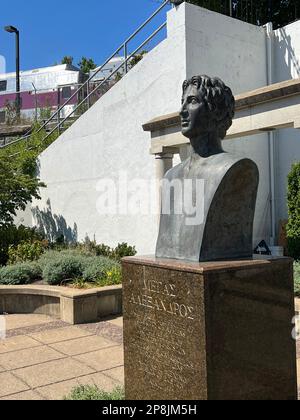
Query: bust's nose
(183,110)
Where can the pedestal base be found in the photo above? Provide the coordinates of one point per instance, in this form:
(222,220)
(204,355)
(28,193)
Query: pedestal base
(209,331)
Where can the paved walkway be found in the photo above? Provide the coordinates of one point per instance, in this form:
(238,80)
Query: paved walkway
(45,359)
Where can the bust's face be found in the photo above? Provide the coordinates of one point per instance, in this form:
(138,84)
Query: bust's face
(194,114)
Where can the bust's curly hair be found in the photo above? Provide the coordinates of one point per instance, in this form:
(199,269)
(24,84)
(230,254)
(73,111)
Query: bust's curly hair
(218,98)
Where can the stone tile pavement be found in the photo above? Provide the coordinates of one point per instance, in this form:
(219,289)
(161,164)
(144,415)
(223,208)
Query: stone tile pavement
(43,359)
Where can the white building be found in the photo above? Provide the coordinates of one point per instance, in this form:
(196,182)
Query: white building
(39,89)
(108,140)
(115,64)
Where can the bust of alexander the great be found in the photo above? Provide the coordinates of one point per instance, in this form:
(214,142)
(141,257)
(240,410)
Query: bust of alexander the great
(229,183)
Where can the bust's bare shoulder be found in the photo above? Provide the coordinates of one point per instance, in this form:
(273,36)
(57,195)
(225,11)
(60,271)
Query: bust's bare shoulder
(177,171)
(213,163)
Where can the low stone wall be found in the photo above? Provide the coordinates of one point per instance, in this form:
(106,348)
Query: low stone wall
(70,305)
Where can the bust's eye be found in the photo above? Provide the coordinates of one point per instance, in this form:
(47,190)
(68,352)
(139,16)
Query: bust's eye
(194,101)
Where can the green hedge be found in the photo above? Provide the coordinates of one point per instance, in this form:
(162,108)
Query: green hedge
(297,278)
(121,250)
(54,255)
(13,236)
(293,227)
(27,251)
(97,268)
(20,274)
(65,268)
(80,264)
(59,267)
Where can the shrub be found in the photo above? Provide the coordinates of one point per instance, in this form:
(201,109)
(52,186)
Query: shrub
(47,257)
(12,236)
(297,278)
(293,227)
(19,274)
(112,277)
(98,267)
(64,268)
(27,251)
(103,250)
(81,284)
(294,248)
(124,250)
(36,270)
(88,247)
(93,393)
(78,264)
(55,255)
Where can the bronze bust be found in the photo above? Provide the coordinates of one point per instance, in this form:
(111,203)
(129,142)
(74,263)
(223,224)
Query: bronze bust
(229,183)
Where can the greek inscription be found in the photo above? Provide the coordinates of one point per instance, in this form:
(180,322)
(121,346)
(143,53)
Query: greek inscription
(158,287)
(172,332)
(161,344)
(171,308)
(168,377)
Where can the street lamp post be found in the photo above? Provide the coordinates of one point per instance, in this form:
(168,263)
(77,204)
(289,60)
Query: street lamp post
(11,30)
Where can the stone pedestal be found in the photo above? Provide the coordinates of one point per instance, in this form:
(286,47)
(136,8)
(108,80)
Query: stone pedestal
(209,331)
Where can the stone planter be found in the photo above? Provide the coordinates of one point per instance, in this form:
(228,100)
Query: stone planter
(70,305)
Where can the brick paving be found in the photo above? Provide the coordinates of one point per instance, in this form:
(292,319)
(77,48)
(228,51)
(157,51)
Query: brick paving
(43,359)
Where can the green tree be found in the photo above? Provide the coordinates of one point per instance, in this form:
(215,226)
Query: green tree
(137,58)
(293,228)
(87,64)
(67,60)
(18,185)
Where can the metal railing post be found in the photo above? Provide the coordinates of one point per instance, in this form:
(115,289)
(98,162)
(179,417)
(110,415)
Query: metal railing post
(36,102)
(126,57)
(59,110)
(87,94)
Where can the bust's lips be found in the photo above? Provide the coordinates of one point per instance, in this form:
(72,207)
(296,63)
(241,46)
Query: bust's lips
(185,123)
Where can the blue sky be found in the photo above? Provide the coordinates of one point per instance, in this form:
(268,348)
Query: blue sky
(52,29)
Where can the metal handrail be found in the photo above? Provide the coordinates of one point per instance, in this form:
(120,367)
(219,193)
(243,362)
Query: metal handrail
(87,82)
(32,91)
(7,92)
(107,78)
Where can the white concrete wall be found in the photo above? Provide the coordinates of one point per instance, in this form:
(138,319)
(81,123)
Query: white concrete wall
(287,52)
(286,66)
(109,137)
(218,45)
(235,51)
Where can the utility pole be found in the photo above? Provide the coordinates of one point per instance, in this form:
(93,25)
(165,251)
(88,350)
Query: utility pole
(11,30)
